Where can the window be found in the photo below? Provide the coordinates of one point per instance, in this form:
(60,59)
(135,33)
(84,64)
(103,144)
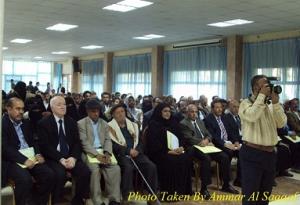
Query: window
(196,83)
(132,74)
(26,71)
(134,83)
(92,76)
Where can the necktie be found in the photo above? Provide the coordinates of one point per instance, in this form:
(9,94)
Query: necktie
(198,132)
(222,128)
(238,122)
(62,140)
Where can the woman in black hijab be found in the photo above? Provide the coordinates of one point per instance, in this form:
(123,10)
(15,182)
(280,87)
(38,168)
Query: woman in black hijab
(164,142)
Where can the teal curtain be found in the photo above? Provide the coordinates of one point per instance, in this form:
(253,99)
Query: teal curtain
(195,71)
(132,74)
(92,76)
(57,75)
(277,58)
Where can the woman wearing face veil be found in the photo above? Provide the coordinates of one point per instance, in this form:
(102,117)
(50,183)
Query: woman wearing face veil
(165,148)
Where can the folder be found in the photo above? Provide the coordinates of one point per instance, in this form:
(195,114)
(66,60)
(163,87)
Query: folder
(29,153)
(293,140)
(94,160)
(208,149)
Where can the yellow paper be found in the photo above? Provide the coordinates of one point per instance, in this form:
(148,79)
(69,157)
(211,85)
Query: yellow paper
(208,149)
(292,140)
(29,153)
(94,160)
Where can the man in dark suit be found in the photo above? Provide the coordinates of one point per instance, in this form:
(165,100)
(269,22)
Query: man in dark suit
(195,133)
(293,121)
(60,144)
(222,135)
(17,135)
(233,121)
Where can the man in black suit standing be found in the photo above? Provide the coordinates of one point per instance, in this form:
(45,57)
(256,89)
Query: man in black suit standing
(16,136)
(222,135)
(60,144)
(195,133)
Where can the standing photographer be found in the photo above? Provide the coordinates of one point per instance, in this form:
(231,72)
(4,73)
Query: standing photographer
(259,123)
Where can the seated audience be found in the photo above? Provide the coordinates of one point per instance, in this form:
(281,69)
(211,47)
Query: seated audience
(60,145)
(195,133)
(17,135)
(94,134)
(222,135)
(126,147)
(164,142)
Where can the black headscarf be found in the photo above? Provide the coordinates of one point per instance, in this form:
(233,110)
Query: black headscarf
(157,116)
(20,89)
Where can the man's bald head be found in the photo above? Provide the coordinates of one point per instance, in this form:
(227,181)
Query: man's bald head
(192,112)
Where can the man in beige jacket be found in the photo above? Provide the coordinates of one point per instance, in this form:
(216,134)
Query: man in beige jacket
(94,135)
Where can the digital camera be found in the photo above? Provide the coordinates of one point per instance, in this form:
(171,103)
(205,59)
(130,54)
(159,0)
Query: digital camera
(274,88)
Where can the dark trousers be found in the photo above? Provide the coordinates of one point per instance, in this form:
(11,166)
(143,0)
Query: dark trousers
(205,174)
(147,167)
(25,192)
(258,168)
(80,173)
(223,160)
(231,154)
(295,152)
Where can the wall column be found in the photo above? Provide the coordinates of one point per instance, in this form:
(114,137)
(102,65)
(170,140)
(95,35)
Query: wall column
(234,67)
(76,82)
(157,59)
(107,72)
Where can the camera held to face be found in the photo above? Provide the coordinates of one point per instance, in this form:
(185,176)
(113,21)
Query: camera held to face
(274,88)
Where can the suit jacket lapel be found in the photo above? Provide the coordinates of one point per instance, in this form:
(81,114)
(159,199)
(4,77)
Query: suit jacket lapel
(54,126)
(90,131)
(101,131)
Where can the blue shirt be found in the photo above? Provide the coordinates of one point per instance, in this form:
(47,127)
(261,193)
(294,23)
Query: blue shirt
(23,143)
(95,126)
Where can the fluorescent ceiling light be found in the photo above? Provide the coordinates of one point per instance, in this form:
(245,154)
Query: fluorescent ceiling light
(153,36)
(135,3)
(38,57)
(60,52)
(4,48)
(91,47)
(142,38)
(61,27)
(20,40)
(121,8)
(238,21)
(233,22)
(128,5)
(148,37)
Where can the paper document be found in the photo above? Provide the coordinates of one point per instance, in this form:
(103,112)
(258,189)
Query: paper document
(208,149)
(295,139)
(29,153)
(94,160)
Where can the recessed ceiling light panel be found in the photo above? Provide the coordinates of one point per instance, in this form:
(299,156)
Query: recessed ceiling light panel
(120,8)
(20,40)
(60,52)
(91,47)
(135,3)
(61,27)
(233,22)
